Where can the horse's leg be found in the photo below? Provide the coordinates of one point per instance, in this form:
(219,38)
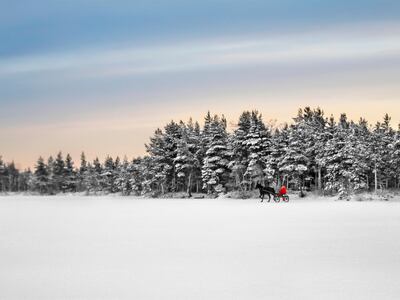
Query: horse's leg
(269,197)
(262,197)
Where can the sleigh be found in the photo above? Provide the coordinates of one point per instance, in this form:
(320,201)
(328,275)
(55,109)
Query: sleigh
(284,197)
(281,195)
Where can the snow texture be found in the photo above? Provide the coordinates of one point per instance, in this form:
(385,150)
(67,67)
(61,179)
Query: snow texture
(72,247)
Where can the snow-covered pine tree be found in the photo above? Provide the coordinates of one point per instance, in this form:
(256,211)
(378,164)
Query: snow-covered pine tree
(321,137)
(258,144)
(195,138)
(13,177)
(5,185)
(357,154)
(58,173)
(142,175)
(3,176)
(333,156)
(52,188)
(95,176)
(172,136)
(87,179)
(182,156)
(81,173)
(109,175)
(137,171)
(40,179)
(69,182)
(186,163)
(294,162)
(215,170)
(163,151)
(160,166)
(279,144)
(313,125)
(394,149)
(123,180)
(240,156)
(324,149)
(382,137)
(24,180)
(205,137)
(339,159)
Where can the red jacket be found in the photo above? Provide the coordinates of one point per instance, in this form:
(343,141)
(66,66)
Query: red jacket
(283,190)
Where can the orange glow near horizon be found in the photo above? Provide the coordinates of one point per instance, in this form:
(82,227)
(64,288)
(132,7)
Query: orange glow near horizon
(125,133)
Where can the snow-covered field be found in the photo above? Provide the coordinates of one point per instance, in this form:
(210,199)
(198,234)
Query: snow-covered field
(69,247)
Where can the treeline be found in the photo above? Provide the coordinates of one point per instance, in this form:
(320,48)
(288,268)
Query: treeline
(314,153)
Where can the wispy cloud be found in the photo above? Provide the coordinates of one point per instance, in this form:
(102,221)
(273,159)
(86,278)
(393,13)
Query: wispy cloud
(328,45)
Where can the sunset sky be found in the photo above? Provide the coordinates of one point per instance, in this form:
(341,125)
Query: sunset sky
(101,76)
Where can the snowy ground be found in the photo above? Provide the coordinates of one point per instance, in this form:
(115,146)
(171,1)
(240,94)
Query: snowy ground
(124,248)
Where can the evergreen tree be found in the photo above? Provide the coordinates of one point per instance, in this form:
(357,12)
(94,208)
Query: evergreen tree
(215,171)
(312,123)
(69,182)
(382,138)
(240,154)
(172,137)
(3,176)
(339,159)
(13,177)
(279,144)
(95,176)
(41,177)
(294,163)
(109,175)
(52,189)
(160,167)
(142,174)
(123,180)
(186,163)
(82,173)
(58,173)
(394,149)
(25,178)
(258,143)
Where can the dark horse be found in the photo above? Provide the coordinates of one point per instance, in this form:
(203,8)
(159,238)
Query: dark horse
(265,191)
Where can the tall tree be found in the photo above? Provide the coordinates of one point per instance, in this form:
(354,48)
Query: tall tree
(82,172)
(258,143)
(161,167)
(294,162)
(70,181)
(41,177)
(109,175)
(123,179)
(3,176)
(13,177)
(215,171)
(187,163)
(58,173)
(240,154)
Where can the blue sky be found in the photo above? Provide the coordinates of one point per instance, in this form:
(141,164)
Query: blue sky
(28,27)
(76,73)
(44,26)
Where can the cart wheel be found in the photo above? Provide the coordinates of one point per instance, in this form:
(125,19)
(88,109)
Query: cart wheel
(277,198)
(285,198)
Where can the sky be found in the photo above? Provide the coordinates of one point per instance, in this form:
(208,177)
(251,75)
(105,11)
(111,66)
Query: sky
(101,76)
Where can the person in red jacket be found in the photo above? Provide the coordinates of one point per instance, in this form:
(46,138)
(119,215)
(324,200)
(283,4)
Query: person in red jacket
(282,191)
